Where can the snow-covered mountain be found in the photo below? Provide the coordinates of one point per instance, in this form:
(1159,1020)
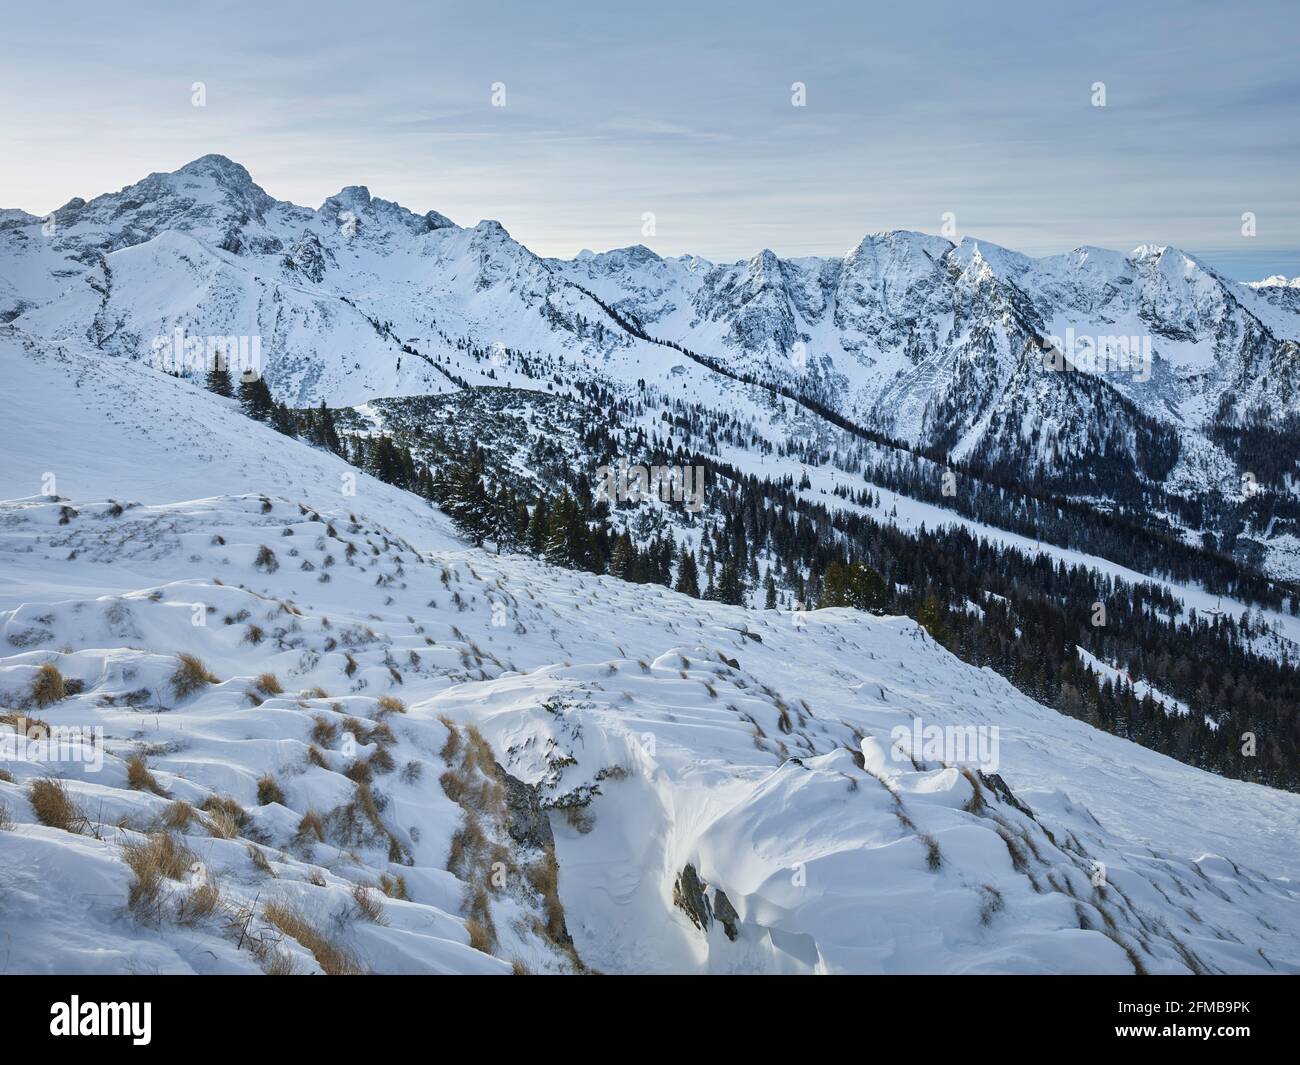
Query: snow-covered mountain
(967,350)
(394,752)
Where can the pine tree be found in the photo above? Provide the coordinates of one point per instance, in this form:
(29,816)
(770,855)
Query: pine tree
(255,398)
(688,574)
(218,380)
(622,561)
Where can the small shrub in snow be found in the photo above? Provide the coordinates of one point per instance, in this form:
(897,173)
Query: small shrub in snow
(311,826)
(190,676)
(54,807)
(199,904)
(157,857)
(178,815)
(225,816)
(139,778)
(259,861)
(480,935)
(389,705)
(367,905)
(394,886)
(48,686)
(268,685)
(333,960)
(266,560)
(268,791)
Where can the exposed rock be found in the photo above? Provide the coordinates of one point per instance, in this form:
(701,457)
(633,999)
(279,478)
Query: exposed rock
(726,914)
(689,897)
(529,823)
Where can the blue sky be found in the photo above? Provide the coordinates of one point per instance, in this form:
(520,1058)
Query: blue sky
(683,110)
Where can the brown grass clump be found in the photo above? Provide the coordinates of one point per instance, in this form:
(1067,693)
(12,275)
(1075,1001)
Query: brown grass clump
(269,791)
(258,858)
(157,857)
(139,778)
(367,905)
(975,804)
(6,822)
(333,960)
(190,676)
(382,761)
(279,963)
(266,560)
(390,705)
(178,815)
(6,776)
(48,686)
(323,731)
(267,684)
(315,693)
(199,904)
(480,935)
(394,886)
(54,806)
(311,825)
(225,816)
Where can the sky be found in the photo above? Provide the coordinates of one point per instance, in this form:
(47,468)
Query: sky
(674,125)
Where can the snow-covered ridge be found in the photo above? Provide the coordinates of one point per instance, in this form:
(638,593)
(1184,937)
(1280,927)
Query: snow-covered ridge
(938,344)
(722,789)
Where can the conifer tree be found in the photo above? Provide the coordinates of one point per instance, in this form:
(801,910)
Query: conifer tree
(688,575)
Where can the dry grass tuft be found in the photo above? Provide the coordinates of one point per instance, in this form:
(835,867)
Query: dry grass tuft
(199,904)
(158,856)
(480,935)
(54,806)
(259,860)
(394,886)
(48,686)
(368,905)
(190,676)
(178,816)
(975,804)
(311,825)
(390,705)
(333,959)
(267,684)
(225,816)
(269,791)
(138,777)
(323,731)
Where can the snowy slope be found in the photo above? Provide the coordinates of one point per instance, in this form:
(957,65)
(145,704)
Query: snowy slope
(723,789)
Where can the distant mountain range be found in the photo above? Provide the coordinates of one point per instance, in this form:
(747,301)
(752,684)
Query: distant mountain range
(1143,380)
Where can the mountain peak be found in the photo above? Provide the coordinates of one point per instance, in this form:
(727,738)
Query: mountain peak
(224,170)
